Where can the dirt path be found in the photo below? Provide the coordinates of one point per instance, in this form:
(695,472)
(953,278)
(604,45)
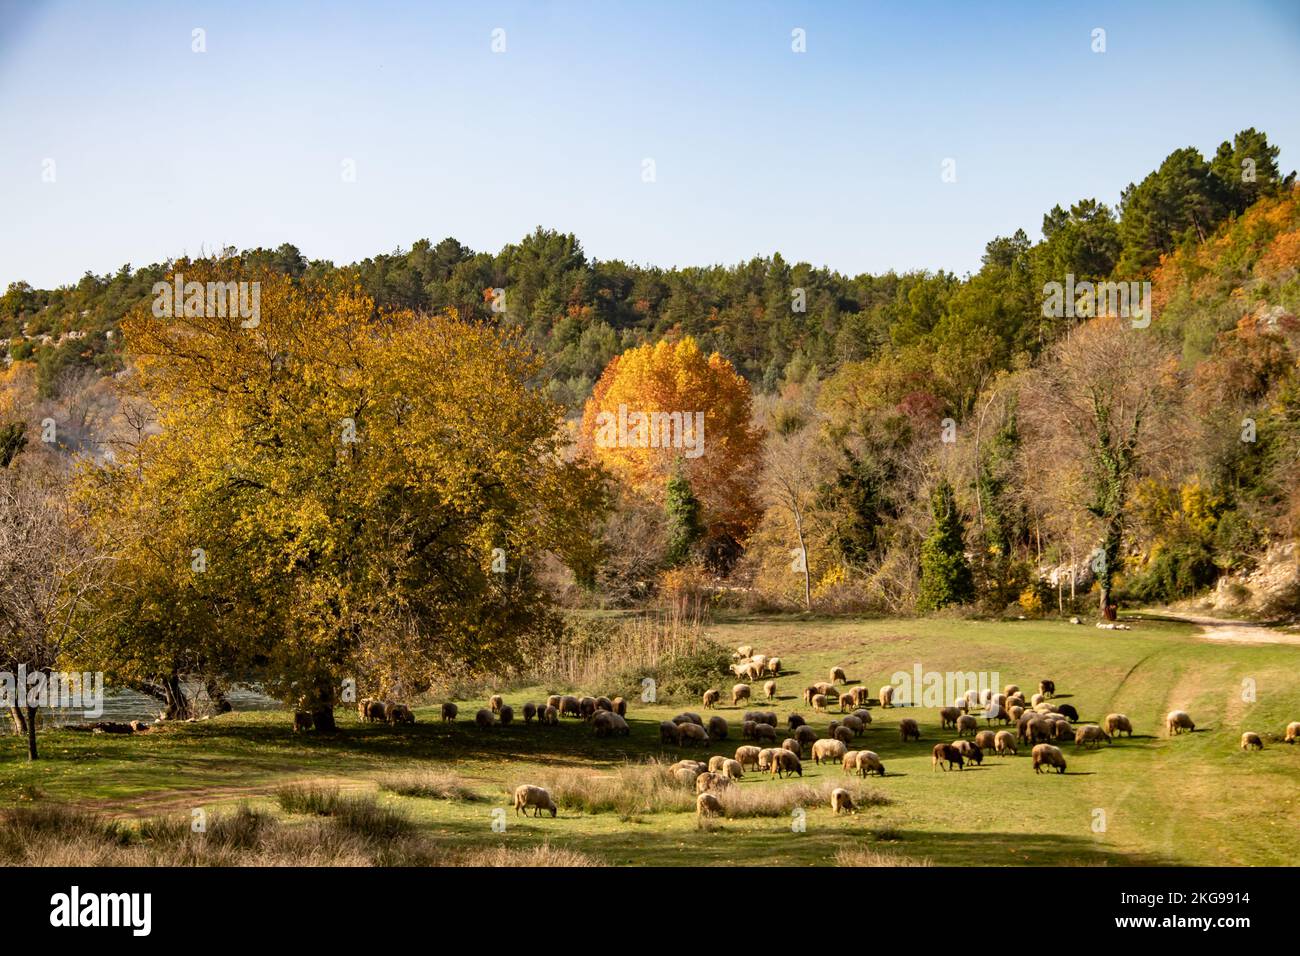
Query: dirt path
(1232,632)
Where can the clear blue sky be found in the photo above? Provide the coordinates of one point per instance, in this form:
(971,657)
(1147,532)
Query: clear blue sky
(832,156)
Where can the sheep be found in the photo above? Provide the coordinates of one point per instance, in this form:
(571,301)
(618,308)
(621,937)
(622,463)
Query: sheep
(841,801)
(711,697)
(945,754)
(1015,713)
(688,717)
(759,659)
(587,707)
(550,716)
(846,703)
(1011,690)
(972,699)
(753,671)
(969,752)
(1000,713)
(826,688)
(1068,711)
(449,711)
(302,720)
(1004,742)
(1117,723)
(746,756)
(1251,741)
(1089,734)
(530,711)
(507,714)
(805,734)
(685,775)
(604,703)
(837,676)
(738,693)
(794,721)
(715,763)
(538,798)
(985,740)
(1033,729)
(828,749)
(766,717)
(744,652)
(808,693)
(1045,708)
(1036,700)
(860,696)
(375,711)
(693,734)
(850,761)
(869,762)
(1061,729)
(554,701)
(495,702)
(784,762)
(819,703)
(569,706)
(607,723)
(749,729)
(711,781)
(765,732)
(717,728)
(774,666)
(967,724)
(769,689)
(793,746)
(1045,755)
(1047,688)
(620,706)
(949,717)
(862,714)
(695,766)
(707,805)
(854,724)
(843,734)
(908,729)
(765,758)
(1177,721)
(887,696)
(363,706)
(484,717)
(732,769)
(1292,732)
(669,732)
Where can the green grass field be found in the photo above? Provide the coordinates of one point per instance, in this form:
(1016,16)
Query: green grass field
(1195,799)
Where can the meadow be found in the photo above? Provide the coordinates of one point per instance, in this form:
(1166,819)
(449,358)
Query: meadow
(434,792)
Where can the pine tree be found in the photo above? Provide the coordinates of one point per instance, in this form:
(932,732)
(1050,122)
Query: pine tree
(945,575)
(685,525)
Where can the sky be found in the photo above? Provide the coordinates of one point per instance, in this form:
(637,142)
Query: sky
(833,156)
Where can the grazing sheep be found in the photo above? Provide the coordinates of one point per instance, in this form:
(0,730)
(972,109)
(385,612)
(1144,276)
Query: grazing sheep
(828,750)
(669,732)
(887,696)
(860,696)
(449,711)
(843,734)
(620,706)
(711,697)
(949,717)
(1177,721)
(708,805)
(693,734)
(1004,743)
(1069,712)
(754,672)
(587,707)
(819,703)
(841,802)
(863,715)
(484,717)
(945,754)
(1251,741)
(687,717)
(970,753)
(793,746)
(398,714)
(302,720)
(1011,690)
(869,762)
(744,652)
(1047,688)
(765,758)
(808,694)
(569,706)
(1292,732)
(1016,712)
(1036,700)
(530,711)
(749,729)
(550,716)
(805,734)
(607,723)
(684,775)
(972,699)
(711,781)
(732,769)
(715,763)
(1117,723)
(759,659)
(363,707)
(908,729)
(746,756)
(507,714)
(855,724)
(1089,734)
(1045,755)
(604,703)
(847,703)
(850,761)
(838,676)
(765,732)
(738,693)
(967,724)
(997,713)
(495,703)
(766,717)
(553,701)
(538,798)
(985,740)
(769,689)
(774,666)
(794,721)
(1061,729)
(784,762)
(375,711)
(717,728)
(1045,708)
(828,689)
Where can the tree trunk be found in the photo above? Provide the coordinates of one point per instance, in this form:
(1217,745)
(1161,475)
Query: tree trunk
(322,712)
(807,571)
(31,733)
(20,725)
(217,694)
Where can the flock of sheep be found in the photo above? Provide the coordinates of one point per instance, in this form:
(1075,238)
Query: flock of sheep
(1039,723)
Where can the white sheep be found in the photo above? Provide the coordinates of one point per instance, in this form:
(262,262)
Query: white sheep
(1178,721)
(538,798)
(841,801)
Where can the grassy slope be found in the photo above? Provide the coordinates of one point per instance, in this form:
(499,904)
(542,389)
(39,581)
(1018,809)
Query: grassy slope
(1193,800)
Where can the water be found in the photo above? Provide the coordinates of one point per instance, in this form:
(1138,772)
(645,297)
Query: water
(122,704)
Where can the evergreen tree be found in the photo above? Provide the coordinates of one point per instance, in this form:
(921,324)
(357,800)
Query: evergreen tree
(945,575)
(685,525)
